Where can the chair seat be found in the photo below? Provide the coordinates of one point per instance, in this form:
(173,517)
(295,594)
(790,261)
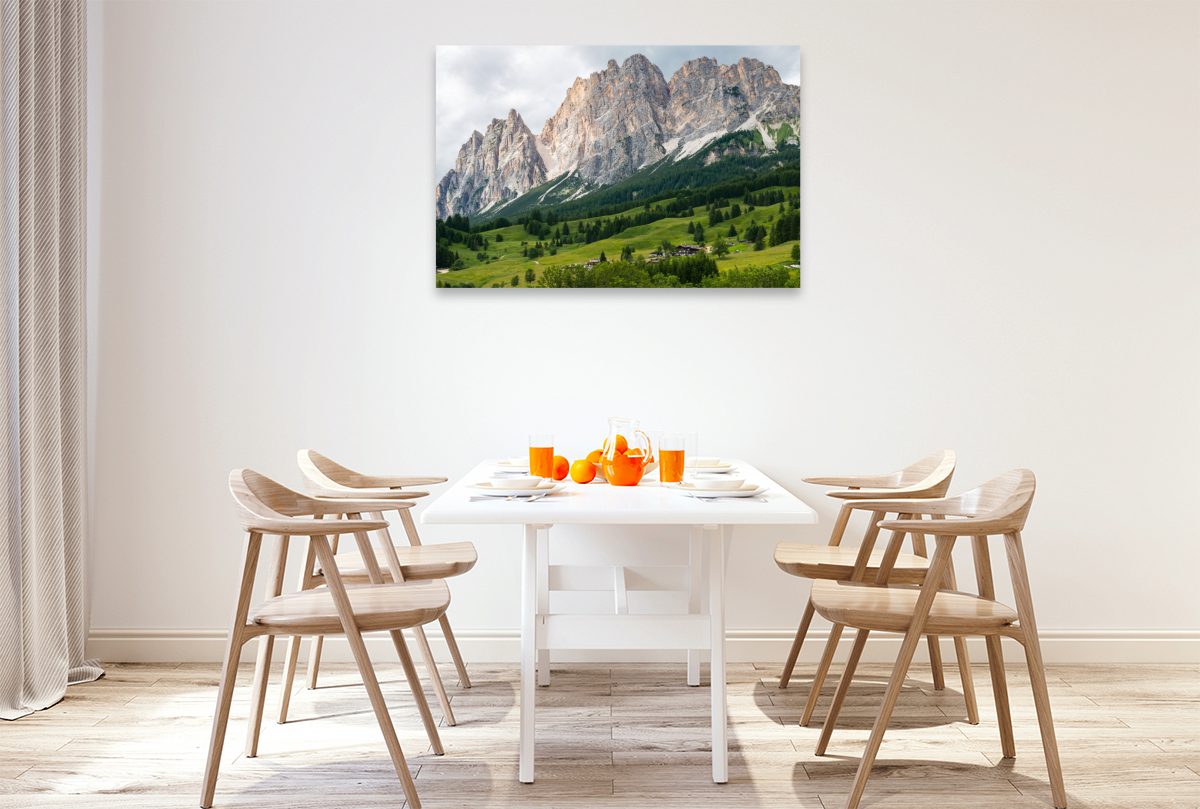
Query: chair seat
(889,608)
(837,563)
(376,607)
(417,562)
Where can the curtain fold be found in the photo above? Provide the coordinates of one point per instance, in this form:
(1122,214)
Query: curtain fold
(43,494)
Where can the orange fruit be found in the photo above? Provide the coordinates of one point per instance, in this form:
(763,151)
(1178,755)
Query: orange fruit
(634,451)
(583,471)
(622,445)
(560,467)
(595,455)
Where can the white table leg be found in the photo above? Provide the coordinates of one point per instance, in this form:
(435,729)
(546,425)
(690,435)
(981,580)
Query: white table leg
(529,600)
(543,599)
(716,608)
(695,564)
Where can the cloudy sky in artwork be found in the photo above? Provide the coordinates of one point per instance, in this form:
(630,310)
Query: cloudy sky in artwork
(476,83)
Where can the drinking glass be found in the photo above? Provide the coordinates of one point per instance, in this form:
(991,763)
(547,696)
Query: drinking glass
(691,450)
(671,455)
(541,455)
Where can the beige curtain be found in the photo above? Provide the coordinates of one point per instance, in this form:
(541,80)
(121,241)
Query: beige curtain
(43,497)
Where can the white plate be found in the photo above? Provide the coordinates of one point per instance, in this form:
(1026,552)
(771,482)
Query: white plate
(708,465)
(509,466)
(747,490)
(497,488)
(709,470)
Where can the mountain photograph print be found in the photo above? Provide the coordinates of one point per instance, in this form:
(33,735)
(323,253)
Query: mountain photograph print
(599,166)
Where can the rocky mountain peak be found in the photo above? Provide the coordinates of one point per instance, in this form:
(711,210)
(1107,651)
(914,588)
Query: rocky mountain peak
(609,125)
(614,122)
(492,167)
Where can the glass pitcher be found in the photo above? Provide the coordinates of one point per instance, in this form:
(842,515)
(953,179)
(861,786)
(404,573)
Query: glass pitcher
(628,453)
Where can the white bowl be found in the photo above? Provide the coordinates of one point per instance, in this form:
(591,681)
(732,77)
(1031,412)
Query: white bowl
(518,482)
(700,463)
(519,461)
(723,483)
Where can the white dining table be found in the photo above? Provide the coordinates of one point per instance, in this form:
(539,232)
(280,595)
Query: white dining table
(596,503)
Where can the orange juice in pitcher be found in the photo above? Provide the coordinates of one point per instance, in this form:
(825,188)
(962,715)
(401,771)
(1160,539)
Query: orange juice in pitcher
(628,453)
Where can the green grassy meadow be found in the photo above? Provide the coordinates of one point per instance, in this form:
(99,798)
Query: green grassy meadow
(507,259)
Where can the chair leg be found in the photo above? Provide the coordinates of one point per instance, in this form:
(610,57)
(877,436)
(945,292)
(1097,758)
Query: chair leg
(464,679)
(835,634)
(935,647)
(964,658)
(233,651)
(367,671)
(434,676)
(220,722)
(895,685)
(790,663)
(414,684)
(968,682)
(1037,669)
(258,693)
(262,666)
(912,638)
(1008,742)
(289,676)
(935,662)
(314,661)
(860,643)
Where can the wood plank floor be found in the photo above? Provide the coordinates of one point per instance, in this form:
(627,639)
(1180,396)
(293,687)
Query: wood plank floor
(610,736)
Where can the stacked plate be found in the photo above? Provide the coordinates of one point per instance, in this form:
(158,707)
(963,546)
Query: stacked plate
(515,487)
(708,466)
(693,489)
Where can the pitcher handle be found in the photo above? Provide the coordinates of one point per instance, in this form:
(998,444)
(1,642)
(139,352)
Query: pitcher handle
(649,446)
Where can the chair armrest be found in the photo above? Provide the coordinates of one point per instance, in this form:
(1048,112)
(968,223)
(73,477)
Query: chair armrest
(855,481)
(878,494)
(397,481)
(915,505)
(361,494)
(949,528)
(308,528)
(348,505)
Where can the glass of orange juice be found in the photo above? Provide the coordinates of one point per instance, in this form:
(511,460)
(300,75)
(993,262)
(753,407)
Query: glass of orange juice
(670,457)
(541,455)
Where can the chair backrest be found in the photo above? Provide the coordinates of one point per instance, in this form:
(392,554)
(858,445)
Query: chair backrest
(999,506)
(266,507)
(1003,501)
(321,472)
(932,470)
(324,477)
(260,500)
(928,477)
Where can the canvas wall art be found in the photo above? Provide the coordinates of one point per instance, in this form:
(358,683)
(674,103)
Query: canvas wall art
(597,166)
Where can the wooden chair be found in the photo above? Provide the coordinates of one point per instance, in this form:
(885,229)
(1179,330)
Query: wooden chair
(406,563)
(264,507)
(998,507)
(928,477)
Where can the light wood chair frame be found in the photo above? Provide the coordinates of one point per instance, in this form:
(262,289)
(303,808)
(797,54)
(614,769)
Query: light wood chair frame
(267,509)
(997,508)
(927,478)
(326,478)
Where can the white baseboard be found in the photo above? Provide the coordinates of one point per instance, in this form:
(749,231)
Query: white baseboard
(742,646)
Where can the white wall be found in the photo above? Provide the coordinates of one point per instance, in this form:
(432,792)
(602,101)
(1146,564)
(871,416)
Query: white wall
(1000,215)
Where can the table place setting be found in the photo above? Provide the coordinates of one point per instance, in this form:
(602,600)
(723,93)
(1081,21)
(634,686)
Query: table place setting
(526,488)
(709,466)
(719,487)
